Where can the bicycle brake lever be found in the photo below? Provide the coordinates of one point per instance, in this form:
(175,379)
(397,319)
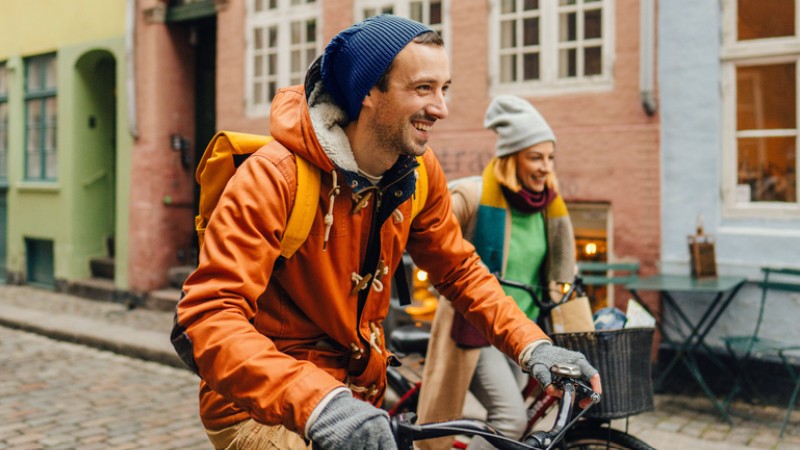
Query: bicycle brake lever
(589,392)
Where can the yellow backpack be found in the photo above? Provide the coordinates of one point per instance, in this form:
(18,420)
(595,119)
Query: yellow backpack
(228,149)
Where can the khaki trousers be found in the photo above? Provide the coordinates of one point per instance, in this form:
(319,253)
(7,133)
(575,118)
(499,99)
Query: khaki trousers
(249,434)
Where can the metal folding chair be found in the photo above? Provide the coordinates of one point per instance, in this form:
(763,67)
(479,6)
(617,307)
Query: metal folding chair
(745,348)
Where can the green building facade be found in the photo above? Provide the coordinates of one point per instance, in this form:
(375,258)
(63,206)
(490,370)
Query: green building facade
(65,142)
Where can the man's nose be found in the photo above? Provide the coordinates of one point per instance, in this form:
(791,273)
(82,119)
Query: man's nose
(439,106)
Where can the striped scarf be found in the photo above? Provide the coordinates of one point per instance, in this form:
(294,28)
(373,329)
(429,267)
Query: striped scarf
(490,229)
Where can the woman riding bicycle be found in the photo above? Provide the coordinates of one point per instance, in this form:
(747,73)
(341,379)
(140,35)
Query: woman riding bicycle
(520,227)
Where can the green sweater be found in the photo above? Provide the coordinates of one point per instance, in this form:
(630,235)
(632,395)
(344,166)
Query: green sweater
(525,261)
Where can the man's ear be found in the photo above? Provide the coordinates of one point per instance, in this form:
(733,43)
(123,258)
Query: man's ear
(369,100)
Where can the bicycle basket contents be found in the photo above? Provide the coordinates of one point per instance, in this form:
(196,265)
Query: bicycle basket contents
(622,357)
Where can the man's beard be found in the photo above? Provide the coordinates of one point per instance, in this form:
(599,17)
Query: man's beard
(395,139)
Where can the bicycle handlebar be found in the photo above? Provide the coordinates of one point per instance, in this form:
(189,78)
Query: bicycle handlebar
(577,287)
(406,431)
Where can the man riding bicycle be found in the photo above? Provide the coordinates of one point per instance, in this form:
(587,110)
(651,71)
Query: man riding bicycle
(291,351)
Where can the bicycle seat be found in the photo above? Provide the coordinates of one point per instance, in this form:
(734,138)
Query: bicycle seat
(410,339)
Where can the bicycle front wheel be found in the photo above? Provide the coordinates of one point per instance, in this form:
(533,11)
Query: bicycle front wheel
(583,438)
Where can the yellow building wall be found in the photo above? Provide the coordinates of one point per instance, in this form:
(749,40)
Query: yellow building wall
(29,27)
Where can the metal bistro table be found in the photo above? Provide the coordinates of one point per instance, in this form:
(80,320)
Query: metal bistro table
(724,289)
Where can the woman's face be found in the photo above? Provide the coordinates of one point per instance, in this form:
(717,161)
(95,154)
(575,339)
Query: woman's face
(533,165)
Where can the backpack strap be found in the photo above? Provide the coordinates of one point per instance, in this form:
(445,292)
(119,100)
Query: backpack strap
(417,203)
(421,189)
(229,149)
(306,201)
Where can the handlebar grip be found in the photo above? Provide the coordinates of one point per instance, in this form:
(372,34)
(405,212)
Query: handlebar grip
(403,429)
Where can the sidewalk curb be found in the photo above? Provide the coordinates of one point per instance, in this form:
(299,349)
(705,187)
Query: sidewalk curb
(141,344)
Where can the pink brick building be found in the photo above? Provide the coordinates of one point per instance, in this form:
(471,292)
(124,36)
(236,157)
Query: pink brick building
(578,64)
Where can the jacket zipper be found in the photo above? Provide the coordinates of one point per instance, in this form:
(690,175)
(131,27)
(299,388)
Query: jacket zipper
(373,239)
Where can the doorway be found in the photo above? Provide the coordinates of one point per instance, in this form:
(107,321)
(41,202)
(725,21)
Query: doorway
(594,242)
(204,33)
(196,21)
(95,128)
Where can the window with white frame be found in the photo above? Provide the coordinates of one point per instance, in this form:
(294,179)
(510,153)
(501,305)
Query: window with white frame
(3,123)
(430,12)
(283,39)
(41,118)
(550,46)
(761,53)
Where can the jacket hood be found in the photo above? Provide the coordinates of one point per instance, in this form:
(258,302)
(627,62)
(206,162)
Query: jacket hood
(307,121)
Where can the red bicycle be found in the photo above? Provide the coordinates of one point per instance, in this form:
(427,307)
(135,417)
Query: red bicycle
(410,342)
(565,376)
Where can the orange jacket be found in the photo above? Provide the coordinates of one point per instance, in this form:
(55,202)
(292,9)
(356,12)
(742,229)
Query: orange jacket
(271,338)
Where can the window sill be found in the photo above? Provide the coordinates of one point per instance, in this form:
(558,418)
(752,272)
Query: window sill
(788,211)
(562,87)
(38,186)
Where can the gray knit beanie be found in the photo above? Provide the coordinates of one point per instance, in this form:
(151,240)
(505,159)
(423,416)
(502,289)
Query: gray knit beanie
(517,123)
(357,57)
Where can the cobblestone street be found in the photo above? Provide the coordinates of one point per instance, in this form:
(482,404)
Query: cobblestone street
(57,395)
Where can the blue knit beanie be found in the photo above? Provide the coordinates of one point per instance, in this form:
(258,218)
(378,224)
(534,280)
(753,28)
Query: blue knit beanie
(357,57)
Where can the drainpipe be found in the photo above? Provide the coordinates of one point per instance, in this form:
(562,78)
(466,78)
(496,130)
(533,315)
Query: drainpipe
(646,58)
(130,67)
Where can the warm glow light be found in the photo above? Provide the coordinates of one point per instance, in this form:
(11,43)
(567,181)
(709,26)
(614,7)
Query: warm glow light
(565,288)
(590,249)
(422,275)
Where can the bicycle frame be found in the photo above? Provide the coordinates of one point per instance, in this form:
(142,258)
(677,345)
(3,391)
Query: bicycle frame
(541,403)
(566,376)
(394,410)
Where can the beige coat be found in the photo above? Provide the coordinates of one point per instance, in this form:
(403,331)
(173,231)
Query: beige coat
(448,369)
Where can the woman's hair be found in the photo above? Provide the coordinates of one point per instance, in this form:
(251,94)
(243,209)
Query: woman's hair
(505,170)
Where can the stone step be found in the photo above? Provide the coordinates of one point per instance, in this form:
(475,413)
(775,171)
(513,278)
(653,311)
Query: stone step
(100,289)
(162,299)
(102,267)
(178,274)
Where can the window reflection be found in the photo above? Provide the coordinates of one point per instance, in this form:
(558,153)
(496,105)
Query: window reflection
(767,169)
(760,19)
(766,133)
(766,97)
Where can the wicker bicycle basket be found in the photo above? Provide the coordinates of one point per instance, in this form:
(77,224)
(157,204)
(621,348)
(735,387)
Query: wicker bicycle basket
(623,359)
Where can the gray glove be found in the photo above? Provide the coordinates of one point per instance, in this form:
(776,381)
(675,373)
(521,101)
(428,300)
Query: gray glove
(546,355)
(347,423)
